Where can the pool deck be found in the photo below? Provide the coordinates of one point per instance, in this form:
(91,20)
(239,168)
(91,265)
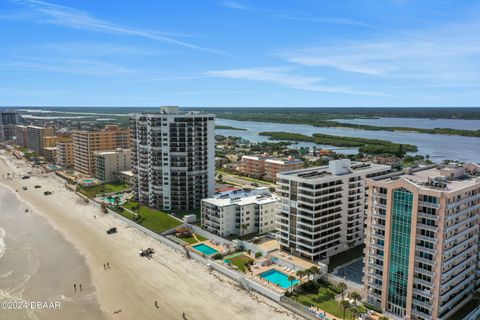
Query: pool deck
(258,269)
(219,248)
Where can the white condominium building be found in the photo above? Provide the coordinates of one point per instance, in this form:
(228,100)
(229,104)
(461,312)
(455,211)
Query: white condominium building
(109,164)
(321,210)
(239,212)
(421,255)
(173,158)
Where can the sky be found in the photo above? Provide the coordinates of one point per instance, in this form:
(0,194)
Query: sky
(236,53)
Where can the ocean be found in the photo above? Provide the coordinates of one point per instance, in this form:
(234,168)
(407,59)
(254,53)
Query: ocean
(38,268)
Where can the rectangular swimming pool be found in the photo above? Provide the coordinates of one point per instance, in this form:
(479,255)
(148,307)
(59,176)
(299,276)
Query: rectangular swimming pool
(279,278)
(203,248)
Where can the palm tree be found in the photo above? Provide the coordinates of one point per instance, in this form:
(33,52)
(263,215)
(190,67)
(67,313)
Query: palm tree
(300,274)
(291,279)
(354,312)
(355,296)
(345,305)
(342,286)
(314,270)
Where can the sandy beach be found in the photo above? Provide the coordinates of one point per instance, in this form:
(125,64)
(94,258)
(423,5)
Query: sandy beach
(129,289)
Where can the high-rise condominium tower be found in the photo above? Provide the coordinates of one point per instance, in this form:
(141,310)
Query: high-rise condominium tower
(8,122)
(173,158)
(421,256)
(321,210)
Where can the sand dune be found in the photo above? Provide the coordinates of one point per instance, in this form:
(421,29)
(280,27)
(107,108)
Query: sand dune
(133,284)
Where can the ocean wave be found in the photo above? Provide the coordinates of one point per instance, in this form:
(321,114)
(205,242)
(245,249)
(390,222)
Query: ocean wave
(3,247)
(6,274)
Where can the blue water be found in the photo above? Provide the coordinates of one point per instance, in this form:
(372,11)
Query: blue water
(203,248)
(438,146)
(278,278)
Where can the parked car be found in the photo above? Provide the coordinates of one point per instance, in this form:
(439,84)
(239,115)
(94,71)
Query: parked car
(37,186)
(112,230)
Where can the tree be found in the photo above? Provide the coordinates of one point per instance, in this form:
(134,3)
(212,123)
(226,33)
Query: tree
(291,279)
(345,305)
(355,296)
(116,200)
(314,270)
(342,286)
(300,273)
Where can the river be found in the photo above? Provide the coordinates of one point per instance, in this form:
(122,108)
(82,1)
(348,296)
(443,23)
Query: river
(438,147)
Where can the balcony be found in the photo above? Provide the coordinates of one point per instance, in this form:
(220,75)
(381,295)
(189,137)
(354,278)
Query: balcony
(462,201)
(429,204)
(462,212)
(460,224)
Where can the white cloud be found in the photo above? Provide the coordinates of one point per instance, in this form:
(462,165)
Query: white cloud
(332,20)
(79,19)
(233,5)
(443,54)
(73,66)
(284,77)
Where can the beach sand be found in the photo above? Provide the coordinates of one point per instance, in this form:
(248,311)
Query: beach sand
(133,284)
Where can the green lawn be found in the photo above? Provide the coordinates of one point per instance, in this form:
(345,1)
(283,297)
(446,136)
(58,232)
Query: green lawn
(155,220)
(91,192)
(192,240)
(345,256)
(325,300)
(240,261)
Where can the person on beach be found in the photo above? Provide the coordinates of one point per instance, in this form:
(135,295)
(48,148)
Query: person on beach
(104,266)
(75,287)
(81,287)
(156,304)
(108,265)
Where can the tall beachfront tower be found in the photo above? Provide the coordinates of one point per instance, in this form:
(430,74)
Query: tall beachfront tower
(8,122)
(421,256)
(321,209)
(173,158)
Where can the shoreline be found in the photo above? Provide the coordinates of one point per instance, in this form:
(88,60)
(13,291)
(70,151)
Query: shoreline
(133,284)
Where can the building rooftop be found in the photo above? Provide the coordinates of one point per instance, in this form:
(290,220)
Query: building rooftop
(334,168)
(257,157)
(242,197)
(284,161)
(451,177)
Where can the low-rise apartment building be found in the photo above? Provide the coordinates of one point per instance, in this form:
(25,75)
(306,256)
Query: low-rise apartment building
(239,212)
(421,256)
(253,166)
(274,166)
(85,143)
(321,209)
(110,163)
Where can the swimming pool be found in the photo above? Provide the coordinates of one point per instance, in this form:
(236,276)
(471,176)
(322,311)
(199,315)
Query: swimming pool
(203,248)
(278,278)
(111,199)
